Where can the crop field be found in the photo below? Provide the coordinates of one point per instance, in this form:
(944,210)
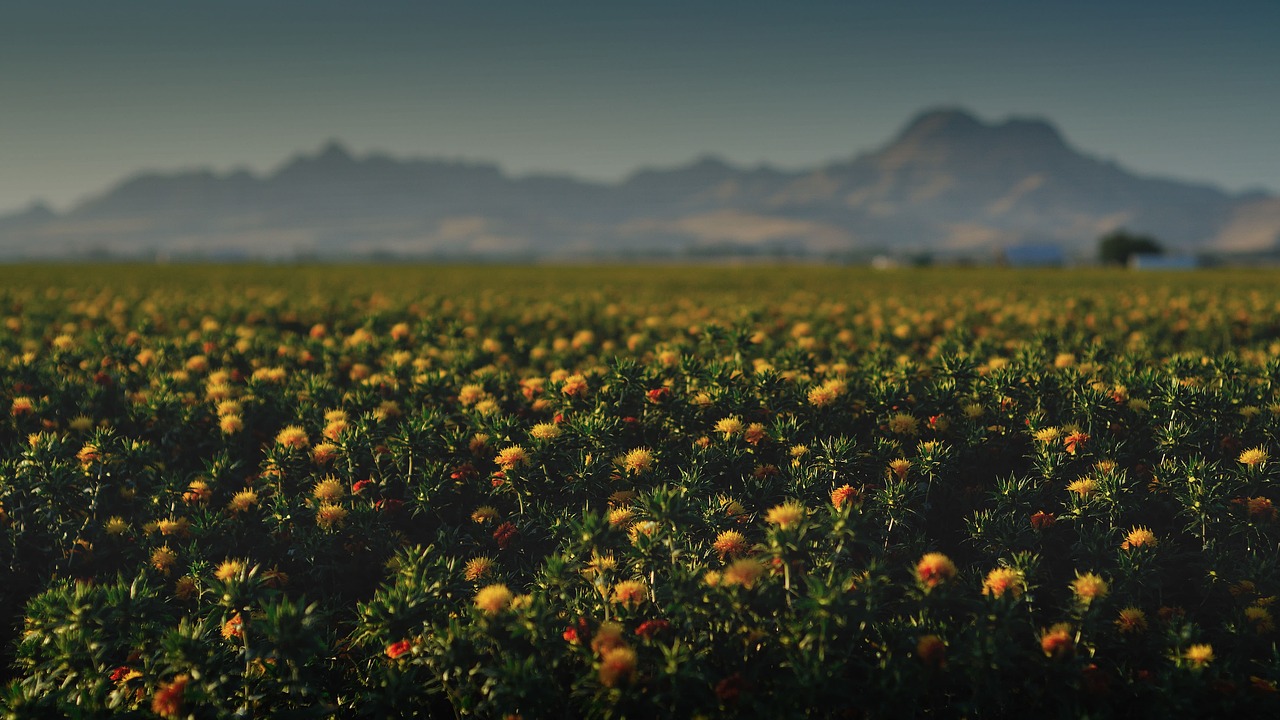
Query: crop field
(494,492)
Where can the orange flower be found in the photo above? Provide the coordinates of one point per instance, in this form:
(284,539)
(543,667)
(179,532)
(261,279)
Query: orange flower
(934,569)
(1131,620)
(1004,580)
(731,543)
(233,628)
(167,702)
(744,572)
(617,665)
(1074,441)
(22,406)
(932,651)
(630,593)
(1056,642)
(479,568)
(844,494)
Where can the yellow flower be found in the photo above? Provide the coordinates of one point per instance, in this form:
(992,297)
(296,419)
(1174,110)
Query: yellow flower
(1199,656)
(1253,457)
(511,456)
(328,490)
(729,426)
(330,515)
(163,559)
(479,568)
(545,431)
(230,424)
(1260,618)
(242,501)
(1083,487)
(1139,537)
(292,436)
(493,599)
(622,517)
(1088,587)
(731,543)
(787,514)
(903,424)
(1048,435)
(638,461)
(116,525)
(229,570)
(744,572)
(484,514)
(630,593)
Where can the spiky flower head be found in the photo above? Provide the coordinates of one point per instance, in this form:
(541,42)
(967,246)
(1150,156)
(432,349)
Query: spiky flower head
(479,568)
(617,665)
(638,461)
(1139,537)
(511,456)
(1004,580)
(1131,620)
(630,593)
(328,490)
(1253,457)
(1088,587)
(786,515)
(934,569)
(729,426)
(242,501)
(1198,656)
(493,599)
(1057,641)
(330,515)
(730,543)
(293,436)
(745,572)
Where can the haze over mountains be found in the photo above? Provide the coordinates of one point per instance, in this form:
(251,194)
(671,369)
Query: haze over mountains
(948,183)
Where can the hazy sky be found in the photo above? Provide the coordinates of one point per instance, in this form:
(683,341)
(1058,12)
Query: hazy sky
(92,90)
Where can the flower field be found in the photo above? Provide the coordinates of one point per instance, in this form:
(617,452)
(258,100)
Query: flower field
(644,492)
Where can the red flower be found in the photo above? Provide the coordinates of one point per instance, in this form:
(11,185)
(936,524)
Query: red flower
(570,635)
(649,628)
(398,648)
(119,673)
(463,471)
(1041,520)
(657,395)
(505,534)
(730,688)
(390,506)
(358,486)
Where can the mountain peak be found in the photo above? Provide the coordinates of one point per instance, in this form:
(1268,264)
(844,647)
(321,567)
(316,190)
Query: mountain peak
(945,129)
(941,122)
(334,152)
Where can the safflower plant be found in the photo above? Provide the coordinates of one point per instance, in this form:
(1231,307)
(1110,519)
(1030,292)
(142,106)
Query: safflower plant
(770,495)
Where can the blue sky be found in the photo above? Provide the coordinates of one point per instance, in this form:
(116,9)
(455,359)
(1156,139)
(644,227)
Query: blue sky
(91,91)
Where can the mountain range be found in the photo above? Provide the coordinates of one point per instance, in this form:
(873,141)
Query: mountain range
(947,183)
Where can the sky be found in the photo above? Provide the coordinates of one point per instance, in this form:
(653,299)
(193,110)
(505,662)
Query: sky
(92,91)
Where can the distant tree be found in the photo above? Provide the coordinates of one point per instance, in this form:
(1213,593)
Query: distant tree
(1117,246)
